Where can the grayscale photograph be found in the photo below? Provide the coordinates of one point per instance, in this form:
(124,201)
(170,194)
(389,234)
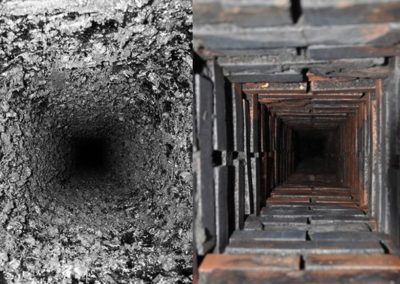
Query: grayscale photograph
(95,141)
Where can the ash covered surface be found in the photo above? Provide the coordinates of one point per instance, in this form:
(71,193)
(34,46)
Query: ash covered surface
(109,77)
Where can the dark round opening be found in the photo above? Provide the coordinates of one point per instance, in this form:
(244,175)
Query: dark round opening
(90,155)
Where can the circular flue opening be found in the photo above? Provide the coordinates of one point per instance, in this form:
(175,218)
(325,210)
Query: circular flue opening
(89,155)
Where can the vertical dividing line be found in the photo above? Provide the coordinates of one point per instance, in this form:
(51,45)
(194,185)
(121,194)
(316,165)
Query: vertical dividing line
(255,149)
(238,147)
(355,155)
(249,209)
(263,171)
(381,129)
(373,160)
(367,156)
(386,157)
(276,176)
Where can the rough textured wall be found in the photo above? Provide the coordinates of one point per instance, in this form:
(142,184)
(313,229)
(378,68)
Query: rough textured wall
(118,70)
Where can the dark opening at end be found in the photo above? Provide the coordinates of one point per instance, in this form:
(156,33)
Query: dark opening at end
(316,151)
(90,155)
